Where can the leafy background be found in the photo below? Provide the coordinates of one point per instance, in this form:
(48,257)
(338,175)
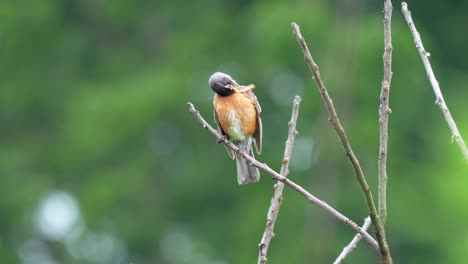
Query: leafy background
(100,161)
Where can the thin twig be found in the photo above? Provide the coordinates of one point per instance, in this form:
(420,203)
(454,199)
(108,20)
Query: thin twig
(384,110)
(353,244)
(335,121)
(278,195)
(435,84)
(311,198)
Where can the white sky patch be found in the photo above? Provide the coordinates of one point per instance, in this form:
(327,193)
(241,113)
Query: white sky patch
(177,247)
(303,154)
(98,247)
(284,87)
(35,251)
(56,215)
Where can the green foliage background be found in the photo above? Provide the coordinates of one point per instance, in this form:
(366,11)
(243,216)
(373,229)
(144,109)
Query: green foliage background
(93,111)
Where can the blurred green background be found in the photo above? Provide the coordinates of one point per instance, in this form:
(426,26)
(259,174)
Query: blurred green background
(100,161)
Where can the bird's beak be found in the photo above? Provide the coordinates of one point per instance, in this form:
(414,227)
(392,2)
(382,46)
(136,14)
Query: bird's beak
(228,86)
(241,88)
(234,87)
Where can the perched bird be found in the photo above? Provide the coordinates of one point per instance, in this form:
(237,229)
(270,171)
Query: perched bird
(237,114)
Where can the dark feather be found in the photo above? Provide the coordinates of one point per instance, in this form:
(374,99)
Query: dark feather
(258,135)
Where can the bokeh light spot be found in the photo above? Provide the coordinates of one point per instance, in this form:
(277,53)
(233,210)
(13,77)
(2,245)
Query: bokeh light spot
(57,214)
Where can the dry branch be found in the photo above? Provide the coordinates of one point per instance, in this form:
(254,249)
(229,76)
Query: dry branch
(384,111)
(311,198)
(353,244)
(278,195)
(335,121)
(435,84)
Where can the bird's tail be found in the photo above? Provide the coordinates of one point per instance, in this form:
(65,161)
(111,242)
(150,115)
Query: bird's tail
(246,173)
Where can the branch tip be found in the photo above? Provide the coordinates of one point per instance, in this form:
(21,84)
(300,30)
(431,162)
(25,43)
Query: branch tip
(276,201)
(434,83)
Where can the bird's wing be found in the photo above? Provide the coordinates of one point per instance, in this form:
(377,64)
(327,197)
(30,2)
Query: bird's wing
(258,135)
(220,130)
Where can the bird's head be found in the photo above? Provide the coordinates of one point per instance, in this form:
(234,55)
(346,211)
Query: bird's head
(222,84)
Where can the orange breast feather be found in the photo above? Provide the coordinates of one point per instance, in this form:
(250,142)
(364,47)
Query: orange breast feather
(237,115)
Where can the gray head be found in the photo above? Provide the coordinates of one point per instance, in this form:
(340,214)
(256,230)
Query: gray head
(222,83)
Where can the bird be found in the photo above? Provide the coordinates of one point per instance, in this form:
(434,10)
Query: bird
(237,115)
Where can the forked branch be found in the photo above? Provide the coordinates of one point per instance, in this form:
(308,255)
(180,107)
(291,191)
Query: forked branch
(353,244)
(311,198)
(335,121)
(278,195)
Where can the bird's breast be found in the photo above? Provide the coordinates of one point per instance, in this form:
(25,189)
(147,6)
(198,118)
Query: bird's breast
(237,115)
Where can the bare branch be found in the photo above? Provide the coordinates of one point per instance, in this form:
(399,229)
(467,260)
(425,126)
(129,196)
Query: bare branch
(278,195)
(384,111)
(353,244)
(435,84)
(311,198)
(335,121)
